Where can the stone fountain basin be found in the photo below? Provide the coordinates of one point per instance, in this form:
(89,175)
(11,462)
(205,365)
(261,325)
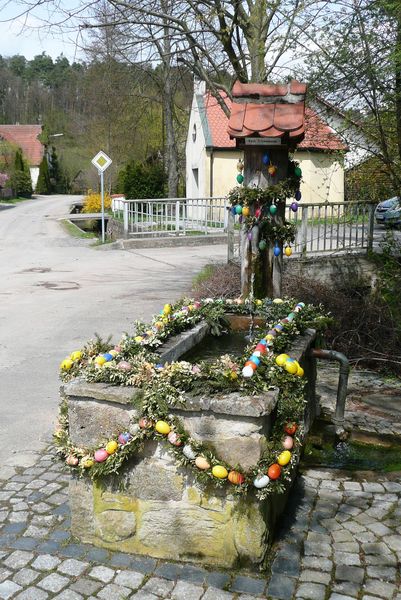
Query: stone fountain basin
(163,512)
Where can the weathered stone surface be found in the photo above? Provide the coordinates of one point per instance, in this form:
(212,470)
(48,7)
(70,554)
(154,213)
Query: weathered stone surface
(115,525)
(234,404)
(91,421)
(79,388)
(81,503)
(151,480)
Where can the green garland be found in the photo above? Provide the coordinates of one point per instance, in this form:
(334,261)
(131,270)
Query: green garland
(164,387)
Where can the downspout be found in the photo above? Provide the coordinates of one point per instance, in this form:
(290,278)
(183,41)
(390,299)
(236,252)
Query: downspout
(211,173)
(338,418)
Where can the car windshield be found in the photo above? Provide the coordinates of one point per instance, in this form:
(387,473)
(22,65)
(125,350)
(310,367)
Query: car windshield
(391,203)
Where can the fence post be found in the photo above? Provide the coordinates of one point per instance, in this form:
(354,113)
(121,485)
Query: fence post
(304,230)
(230,236)
(177,218)
(371,225)
(125,218)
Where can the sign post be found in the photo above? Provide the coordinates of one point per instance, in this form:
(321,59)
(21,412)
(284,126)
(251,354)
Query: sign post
(101,161)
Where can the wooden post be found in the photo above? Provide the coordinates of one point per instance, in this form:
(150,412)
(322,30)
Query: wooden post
(266,267)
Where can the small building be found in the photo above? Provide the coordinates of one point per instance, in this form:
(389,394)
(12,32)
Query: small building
(212,156)
(26,138)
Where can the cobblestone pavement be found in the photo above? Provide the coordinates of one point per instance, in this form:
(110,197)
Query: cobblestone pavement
(340,540)
(340,536)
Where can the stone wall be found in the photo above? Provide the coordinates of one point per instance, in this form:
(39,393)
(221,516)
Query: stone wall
(162,510)
(329,270)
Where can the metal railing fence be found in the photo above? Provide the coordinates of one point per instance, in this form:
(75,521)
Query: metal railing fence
(329,228)
(172,216)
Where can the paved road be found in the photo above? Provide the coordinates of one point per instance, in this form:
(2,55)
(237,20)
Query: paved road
(55,293)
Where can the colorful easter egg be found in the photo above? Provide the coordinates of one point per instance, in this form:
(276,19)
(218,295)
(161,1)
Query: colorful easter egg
(288,250)
(298,172)
(262,245)
(111,447)
(236,478)
(76,355)
(274,471)
(246,211)
(87,462)
(202,463)
(188,452)
(66,364)
(124,366)
(240,178)
(261,481)
(108,356)
(138,339)
(174,438)
(238,209)
(284,458)
(300,372)
(100,360)
(273,209)
(272,170)
(247,372)
(71,460)
(145,423)
(219,471)
(167,309)
(294,207)
(298,195)
(113,353)
(266,158)
(277,251)
(278,301)
(162,427)
(291,366)
(124,438)
(281,359)
(288,442)
(134,428)
(101,455)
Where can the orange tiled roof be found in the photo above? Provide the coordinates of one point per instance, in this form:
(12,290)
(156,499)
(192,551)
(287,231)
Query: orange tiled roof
(26,138)
(318,135)
(268,110)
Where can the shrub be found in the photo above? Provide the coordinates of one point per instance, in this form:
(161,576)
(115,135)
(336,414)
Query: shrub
(93,202)
(43,185)
(21,184)
(143,180)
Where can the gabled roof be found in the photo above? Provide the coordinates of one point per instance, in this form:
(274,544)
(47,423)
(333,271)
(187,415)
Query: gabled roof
(26,138)
(318,135)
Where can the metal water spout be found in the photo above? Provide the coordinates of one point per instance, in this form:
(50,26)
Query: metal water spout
(338,418)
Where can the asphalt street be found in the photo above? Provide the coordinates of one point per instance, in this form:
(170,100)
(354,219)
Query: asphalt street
(55,293)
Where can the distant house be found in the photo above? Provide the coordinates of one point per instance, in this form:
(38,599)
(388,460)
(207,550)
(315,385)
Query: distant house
(26,138)
(212,156)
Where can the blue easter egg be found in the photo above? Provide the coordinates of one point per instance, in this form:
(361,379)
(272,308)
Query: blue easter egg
(108,356)
(233,211)
(298,195)
(277,251)
(266,158)
(294,207)
(263,342)
(238,209)
(255,360)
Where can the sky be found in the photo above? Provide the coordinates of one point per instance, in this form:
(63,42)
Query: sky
(26,35)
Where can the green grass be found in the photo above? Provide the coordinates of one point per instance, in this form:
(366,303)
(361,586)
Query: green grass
(14,200)
(75,231)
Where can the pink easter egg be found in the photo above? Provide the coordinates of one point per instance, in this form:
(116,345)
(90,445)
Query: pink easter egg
(288,442)
(124,366)
(174,438)
(101,455)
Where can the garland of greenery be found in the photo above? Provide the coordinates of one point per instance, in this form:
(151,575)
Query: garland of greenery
(133,362)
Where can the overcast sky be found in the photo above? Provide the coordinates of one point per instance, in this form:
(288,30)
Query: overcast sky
(25,35)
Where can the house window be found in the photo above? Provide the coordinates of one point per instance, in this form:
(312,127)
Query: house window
(195,175)
(194,133)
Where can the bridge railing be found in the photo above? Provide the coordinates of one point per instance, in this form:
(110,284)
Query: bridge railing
(172,216)
(334,227)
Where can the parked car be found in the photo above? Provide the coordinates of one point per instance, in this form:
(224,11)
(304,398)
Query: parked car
(388,213)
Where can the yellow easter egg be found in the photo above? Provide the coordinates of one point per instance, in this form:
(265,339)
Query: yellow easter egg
(87,462)
(278,301)
(76,355)
(291,366)
(281,359)
(234,375)
(111,447)
(66,364)
(100,360)
(138,339)
(245,211)
(284,458)
(288,250)
(258,302)
(269,337)
(162,427)
(113,353)
(220,472)
(300,372)
(158,324)
(167,309)
(202,463)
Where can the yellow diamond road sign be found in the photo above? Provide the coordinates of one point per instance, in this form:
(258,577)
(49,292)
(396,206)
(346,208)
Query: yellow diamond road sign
(101,161)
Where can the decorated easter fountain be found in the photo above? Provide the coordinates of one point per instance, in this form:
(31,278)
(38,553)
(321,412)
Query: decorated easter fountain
(193,459)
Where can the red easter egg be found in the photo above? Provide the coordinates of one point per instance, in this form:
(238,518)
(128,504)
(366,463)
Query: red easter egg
(274,471)
(145,423)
